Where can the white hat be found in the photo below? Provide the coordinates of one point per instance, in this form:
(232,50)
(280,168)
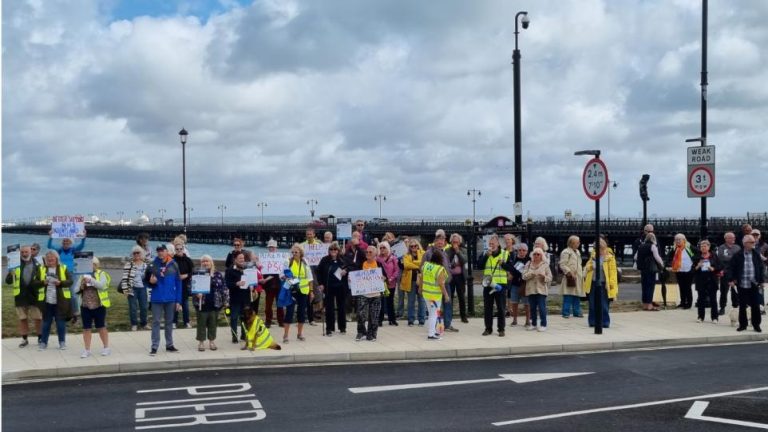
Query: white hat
(272,243)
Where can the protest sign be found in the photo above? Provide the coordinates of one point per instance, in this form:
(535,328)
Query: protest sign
(399,249)
(366,281)
(14,256)
(201,282)
(67,227)
(343,228)
(272,263)
(83,263)
(251,277)
(313,253)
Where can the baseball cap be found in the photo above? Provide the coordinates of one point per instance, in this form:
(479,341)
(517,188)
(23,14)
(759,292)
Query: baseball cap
(161,247)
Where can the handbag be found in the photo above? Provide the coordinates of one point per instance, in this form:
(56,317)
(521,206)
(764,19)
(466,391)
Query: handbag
(488,279)
(570,281)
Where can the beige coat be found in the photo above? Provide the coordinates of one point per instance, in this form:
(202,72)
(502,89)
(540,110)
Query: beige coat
(570,261)
(533,284)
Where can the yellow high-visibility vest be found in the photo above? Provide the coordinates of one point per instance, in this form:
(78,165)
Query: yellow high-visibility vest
(430,289)
(62,277)
(493,268)
(299,270)
(103,294)
(258,335)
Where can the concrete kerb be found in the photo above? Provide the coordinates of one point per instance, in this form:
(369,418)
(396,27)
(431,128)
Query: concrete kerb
(315,358)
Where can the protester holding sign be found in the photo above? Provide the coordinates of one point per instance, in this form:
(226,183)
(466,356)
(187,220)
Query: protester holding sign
(54,295)
(432,288)
(67,257)
(332,281)
(301,289)
(271,265)
(314,251)
(94,290)
(369,305)
(185,272)
(239,294)
(23,281)
(208,305)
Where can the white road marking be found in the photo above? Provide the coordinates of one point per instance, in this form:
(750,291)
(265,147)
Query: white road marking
(196,399)
(518,378)
(625,407)
(697,410)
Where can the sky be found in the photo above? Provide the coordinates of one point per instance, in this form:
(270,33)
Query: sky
(342,100)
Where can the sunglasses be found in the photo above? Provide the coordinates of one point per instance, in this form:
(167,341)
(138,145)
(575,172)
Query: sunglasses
(414,247)
(360,225)
(333,250)
(137,253)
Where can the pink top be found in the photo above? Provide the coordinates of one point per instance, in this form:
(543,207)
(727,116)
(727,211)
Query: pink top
(391,269)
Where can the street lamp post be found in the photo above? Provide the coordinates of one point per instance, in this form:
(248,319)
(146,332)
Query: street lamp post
(472,252)
(183,138)
(222,207)
(312,203)
(190,210)
(162,212)
(262,205)
(518,152)
(380,198)
(597,287)
(474,193)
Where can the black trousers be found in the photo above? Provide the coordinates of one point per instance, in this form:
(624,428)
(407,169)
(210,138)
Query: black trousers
(335,296)
(684,281)
(709,292)
(724,288)
(491,296)
(749,297)
(458,285)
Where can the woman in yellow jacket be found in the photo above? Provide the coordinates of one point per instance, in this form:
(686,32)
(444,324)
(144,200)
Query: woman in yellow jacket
(412,261)
(610,274)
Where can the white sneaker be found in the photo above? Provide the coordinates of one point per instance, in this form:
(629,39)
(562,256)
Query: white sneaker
(542,329)
(85,354)
(699,320)
(715,321)
(63,346)
(189,325)
(530,328)
(134,328)
(106,351)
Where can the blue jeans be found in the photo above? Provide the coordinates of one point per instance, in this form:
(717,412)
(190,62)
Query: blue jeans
(138,303)
(184,308)
(51,313)
(571,302)
(647,284)
(300,305)
(604,305)
(400,302)
(413,297)
(235,313)
(538,304)
(157,310)
(75,300)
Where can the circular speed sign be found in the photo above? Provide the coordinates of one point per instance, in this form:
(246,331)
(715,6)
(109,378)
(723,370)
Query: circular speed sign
(595,179)
(700,181)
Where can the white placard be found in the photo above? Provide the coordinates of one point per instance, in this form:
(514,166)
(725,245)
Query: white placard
(399,249)
(338,274)
(83,263)
(273,263)
(14,256)
(67,227)
(313,253)
(251,277)
(366,281)
(343,228)
(201,282)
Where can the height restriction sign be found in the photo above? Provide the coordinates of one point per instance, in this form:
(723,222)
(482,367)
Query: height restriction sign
(595,179)
(701,171)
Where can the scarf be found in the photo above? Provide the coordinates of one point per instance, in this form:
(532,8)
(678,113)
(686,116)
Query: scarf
(677,260)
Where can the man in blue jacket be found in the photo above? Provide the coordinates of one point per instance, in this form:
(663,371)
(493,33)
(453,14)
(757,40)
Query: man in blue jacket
(163,276)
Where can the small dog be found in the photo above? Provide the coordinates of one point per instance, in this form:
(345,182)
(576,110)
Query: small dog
(734,316)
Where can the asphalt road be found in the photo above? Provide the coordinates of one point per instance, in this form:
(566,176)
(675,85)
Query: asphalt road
(318,398)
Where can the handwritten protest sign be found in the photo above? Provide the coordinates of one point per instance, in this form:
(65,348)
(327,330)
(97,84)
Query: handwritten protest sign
(14,256)
(366,281)
(313,253)
(201,282)
(251,277)
(68,227)
(399,249)
(343,228)
(83,263)
(272,263)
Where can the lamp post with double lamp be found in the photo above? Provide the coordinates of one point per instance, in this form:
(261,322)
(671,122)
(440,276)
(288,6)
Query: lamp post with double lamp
(595,192)
(261,205)
(518,151)
(312,203)
(380,198)
(183,138)
(162,212)
(474,193)
(614,186)
(222,207)
(472,252)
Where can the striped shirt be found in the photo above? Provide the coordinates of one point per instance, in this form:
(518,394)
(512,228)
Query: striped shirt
(748,276)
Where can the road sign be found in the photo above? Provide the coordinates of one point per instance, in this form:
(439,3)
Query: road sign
(701,181)
(701,171)
(595,179)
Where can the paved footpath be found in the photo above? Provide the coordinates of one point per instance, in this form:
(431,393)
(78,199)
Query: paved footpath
(130,350)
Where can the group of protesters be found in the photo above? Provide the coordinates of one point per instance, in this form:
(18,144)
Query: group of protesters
(419,286)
